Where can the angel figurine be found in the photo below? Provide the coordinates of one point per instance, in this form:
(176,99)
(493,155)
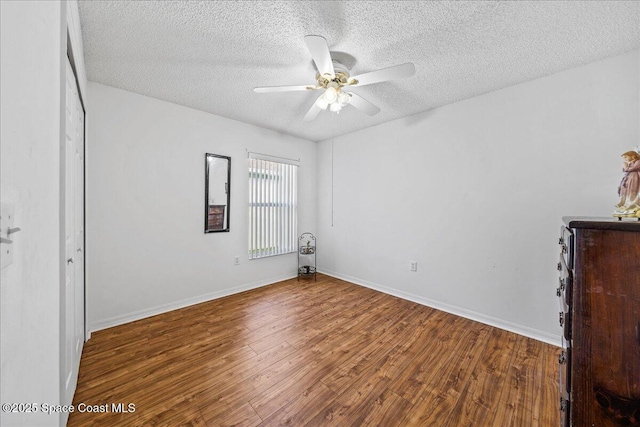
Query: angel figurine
(629,189)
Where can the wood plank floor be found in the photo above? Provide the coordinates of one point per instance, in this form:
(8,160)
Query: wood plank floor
(319,353)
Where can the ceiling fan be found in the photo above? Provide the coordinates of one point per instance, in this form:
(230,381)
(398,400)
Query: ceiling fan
(333,78)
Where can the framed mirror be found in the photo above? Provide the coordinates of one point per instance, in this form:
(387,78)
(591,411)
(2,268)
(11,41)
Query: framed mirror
(217,193)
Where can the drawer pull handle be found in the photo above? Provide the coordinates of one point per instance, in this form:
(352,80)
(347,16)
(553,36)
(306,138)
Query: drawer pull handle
(562,359)
(563,404)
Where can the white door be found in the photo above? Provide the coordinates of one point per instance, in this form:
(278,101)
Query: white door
(74,238)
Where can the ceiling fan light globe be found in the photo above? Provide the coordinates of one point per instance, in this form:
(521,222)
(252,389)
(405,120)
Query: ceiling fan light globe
(343,98)
(322,103)
(330,95)
(335,107)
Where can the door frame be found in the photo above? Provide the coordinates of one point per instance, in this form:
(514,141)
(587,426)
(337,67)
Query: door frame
(76,58)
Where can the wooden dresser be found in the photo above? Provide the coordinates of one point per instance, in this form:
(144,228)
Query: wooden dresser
(215,219)
(599,295)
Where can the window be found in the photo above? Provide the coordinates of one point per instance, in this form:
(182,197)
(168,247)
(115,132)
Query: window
(273,207)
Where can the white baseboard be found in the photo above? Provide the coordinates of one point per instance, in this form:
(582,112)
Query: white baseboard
(152,311)
(458,311)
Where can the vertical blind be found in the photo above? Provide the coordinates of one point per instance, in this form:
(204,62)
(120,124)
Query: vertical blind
(273,207)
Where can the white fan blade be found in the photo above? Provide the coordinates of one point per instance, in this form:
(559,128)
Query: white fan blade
(283,88)
(362,104)
(391,73)
(312,113)
(320,53)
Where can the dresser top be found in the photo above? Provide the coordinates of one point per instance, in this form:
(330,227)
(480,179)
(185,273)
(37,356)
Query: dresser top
(602,223)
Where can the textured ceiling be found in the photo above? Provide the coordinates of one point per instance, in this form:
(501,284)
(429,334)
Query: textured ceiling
(209,55)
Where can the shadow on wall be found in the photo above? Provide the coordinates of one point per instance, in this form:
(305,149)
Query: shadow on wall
(416,119)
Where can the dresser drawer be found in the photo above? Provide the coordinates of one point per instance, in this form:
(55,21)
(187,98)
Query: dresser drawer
(565,415)
(215,221)
(216,209)
(564,368)
(564,318)
(564,363)
(564,293)
(565,282)
(564,308)
(566,246)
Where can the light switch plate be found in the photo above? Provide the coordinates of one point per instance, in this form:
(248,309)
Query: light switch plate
(7,220)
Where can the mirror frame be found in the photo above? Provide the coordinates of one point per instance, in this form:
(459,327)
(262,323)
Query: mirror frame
(206,193)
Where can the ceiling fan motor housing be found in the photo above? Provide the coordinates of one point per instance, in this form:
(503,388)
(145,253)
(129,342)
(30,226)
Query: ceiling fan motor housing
(341,76)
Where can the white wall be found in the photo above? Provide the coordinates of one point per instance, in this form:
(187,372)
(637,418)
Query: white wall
(478,189)
(146,247)
(33,43)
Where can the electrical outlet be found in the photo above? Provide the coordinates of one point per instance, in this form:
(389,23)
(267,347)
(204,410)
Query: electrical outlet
(414,266)
(236,260)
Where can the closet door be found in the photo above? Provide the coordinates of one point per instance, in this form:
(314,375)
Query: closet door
(73,303)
